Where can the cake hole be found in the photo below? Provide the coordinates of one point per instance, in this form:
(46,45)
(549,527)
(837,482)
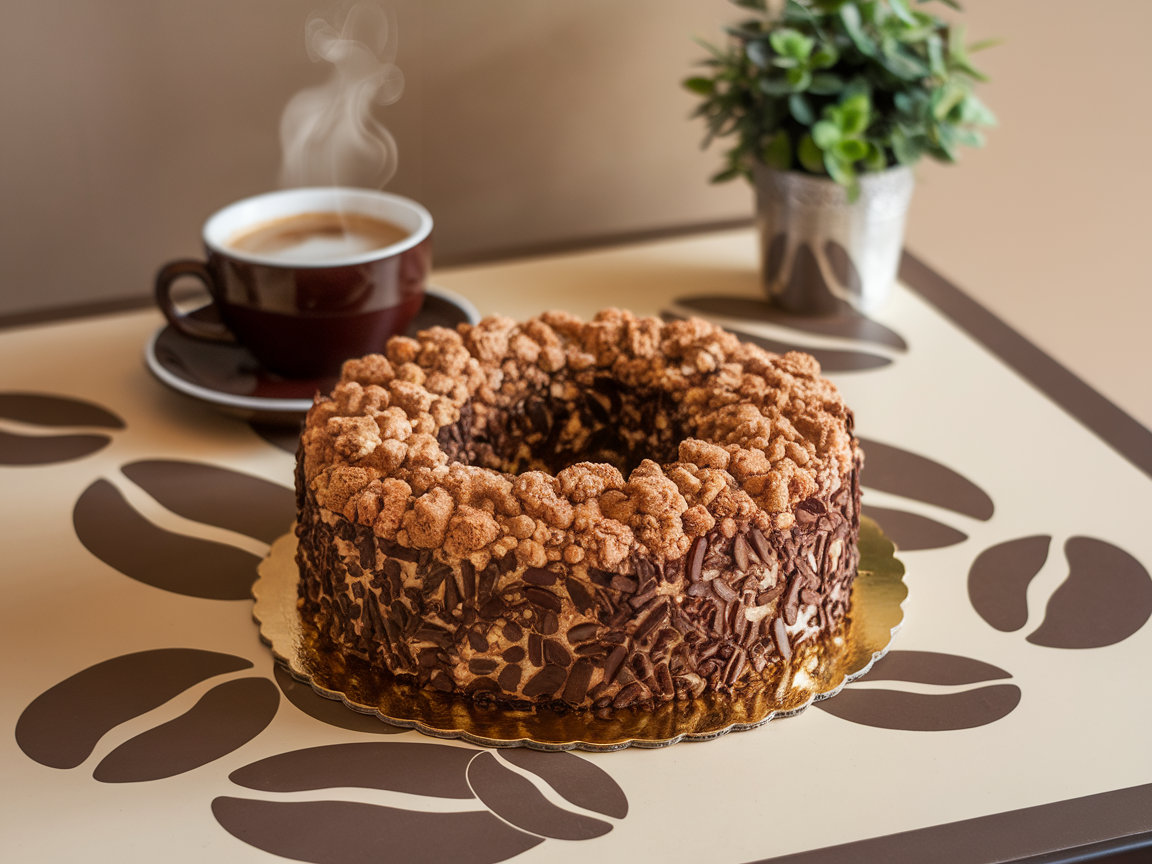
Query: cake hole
(607,422)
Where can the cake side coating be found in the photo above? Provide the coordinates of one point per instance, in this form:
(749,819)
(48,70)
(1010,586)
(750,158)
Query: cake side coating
(479,509)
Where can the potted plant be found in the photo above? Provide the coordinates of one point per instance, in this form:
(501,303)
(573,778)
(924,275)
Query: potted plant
(830,103)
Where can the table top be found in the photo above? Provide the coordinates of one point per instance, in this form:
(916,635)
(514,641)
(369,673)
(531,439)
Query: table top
(147,718)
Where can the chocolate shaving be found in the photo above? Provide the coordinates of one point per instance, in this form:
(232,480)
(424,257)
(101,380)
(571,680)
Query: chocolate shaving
(623,584)
(760,544)
(510,678)
(546,682)
(578,681)
(792,604)
(539,576)
(582,633)
(535,650)
(781,639)
(629,695)
(556,653)
(477,641)
(514,654)
(543,599)
(696,558)
(614,663)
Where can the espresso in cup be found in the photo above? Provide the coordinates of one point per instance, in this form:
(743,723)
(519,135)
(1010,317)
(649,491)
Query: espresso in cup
(317,237)
(308,278)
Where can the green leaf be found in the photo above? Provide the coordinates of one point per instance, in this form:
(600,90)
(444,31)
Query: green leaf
(791,43)
(744,31)
(945,98)
(905,149)
(851,150)
(778,153)
(716,53)
(984,45)
(757,5)
(900,7)
(826,84)
(703,86)
(726,175)
(946,140)
(810,156)
(854,114)
(976,113)
(875,160)
(799,78)
(854,27)
(801,110)
(969,137)
(826,134)
(757,52)
(798,11)
(844,174)
(907,103)
(958,55)
(775,86)
(825,57)
(936,56)
(900,62)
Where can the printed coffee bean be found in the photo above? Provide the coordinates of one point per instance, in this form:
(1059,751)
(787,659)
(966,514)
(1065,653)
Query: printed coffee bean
(225,719)
(417,768)
(932,712)
(217,496)
(930,667)
(1106,597)
(830,359)
(112,530)
(62,726)
(911,531)
(345,832)
(342,831)
(329,711)
(285,437)
(516,800)
(51,412)
(901,472)
(999,577)
(846,326)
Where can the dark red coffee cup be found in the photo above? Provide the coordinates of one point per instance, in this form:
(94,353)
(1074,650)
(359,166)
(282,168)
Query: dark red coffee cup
(303,317)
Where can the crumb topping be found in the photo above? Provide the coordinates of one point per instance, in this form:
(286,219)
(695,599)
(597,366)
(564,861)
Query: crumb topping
(449,442)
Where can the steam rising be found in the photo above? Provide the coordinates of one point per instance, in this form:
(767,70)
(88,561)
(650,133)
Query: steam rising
(328,134)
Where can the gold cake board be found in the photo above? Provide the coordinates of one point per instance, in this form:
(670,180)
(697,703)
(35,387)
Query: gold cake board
(816,671)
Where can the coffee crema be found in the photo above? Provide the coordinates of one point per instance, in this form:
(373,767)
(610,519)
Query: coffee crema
(317,237)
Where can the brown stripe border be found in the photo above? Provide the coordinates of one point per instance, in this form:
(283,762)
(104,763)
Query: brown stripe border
(1109,827)
(1113,827)
(1109,422)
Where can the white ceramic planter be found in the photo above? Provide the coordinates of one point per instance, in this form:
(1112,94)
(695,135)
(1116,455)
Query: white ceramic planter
(820,253)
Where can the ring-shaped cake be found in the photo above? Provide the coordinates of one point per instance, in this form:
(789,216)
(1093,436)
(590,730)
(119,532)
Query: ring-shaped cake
(601,515)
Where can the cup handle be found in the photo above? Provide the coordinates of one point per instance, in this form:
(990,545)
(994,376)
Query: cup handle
(211,331)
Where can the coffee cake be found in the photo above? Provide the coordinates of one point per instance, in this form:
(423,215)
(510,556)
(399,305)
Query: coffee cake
(592,515)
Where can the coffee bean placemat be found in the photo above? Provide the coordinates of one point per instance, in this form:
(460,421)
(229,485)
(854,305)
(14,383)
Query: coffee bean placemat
(148,722)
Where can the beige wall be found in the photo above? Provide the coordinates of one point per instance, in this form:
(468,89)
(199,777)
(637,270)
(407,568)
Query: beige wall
(123,123)
(1048,225)
(126,122)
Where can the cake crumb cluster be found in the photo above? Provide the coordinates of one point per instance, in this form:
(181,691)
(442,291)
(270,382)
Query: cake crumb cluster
(761,433)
